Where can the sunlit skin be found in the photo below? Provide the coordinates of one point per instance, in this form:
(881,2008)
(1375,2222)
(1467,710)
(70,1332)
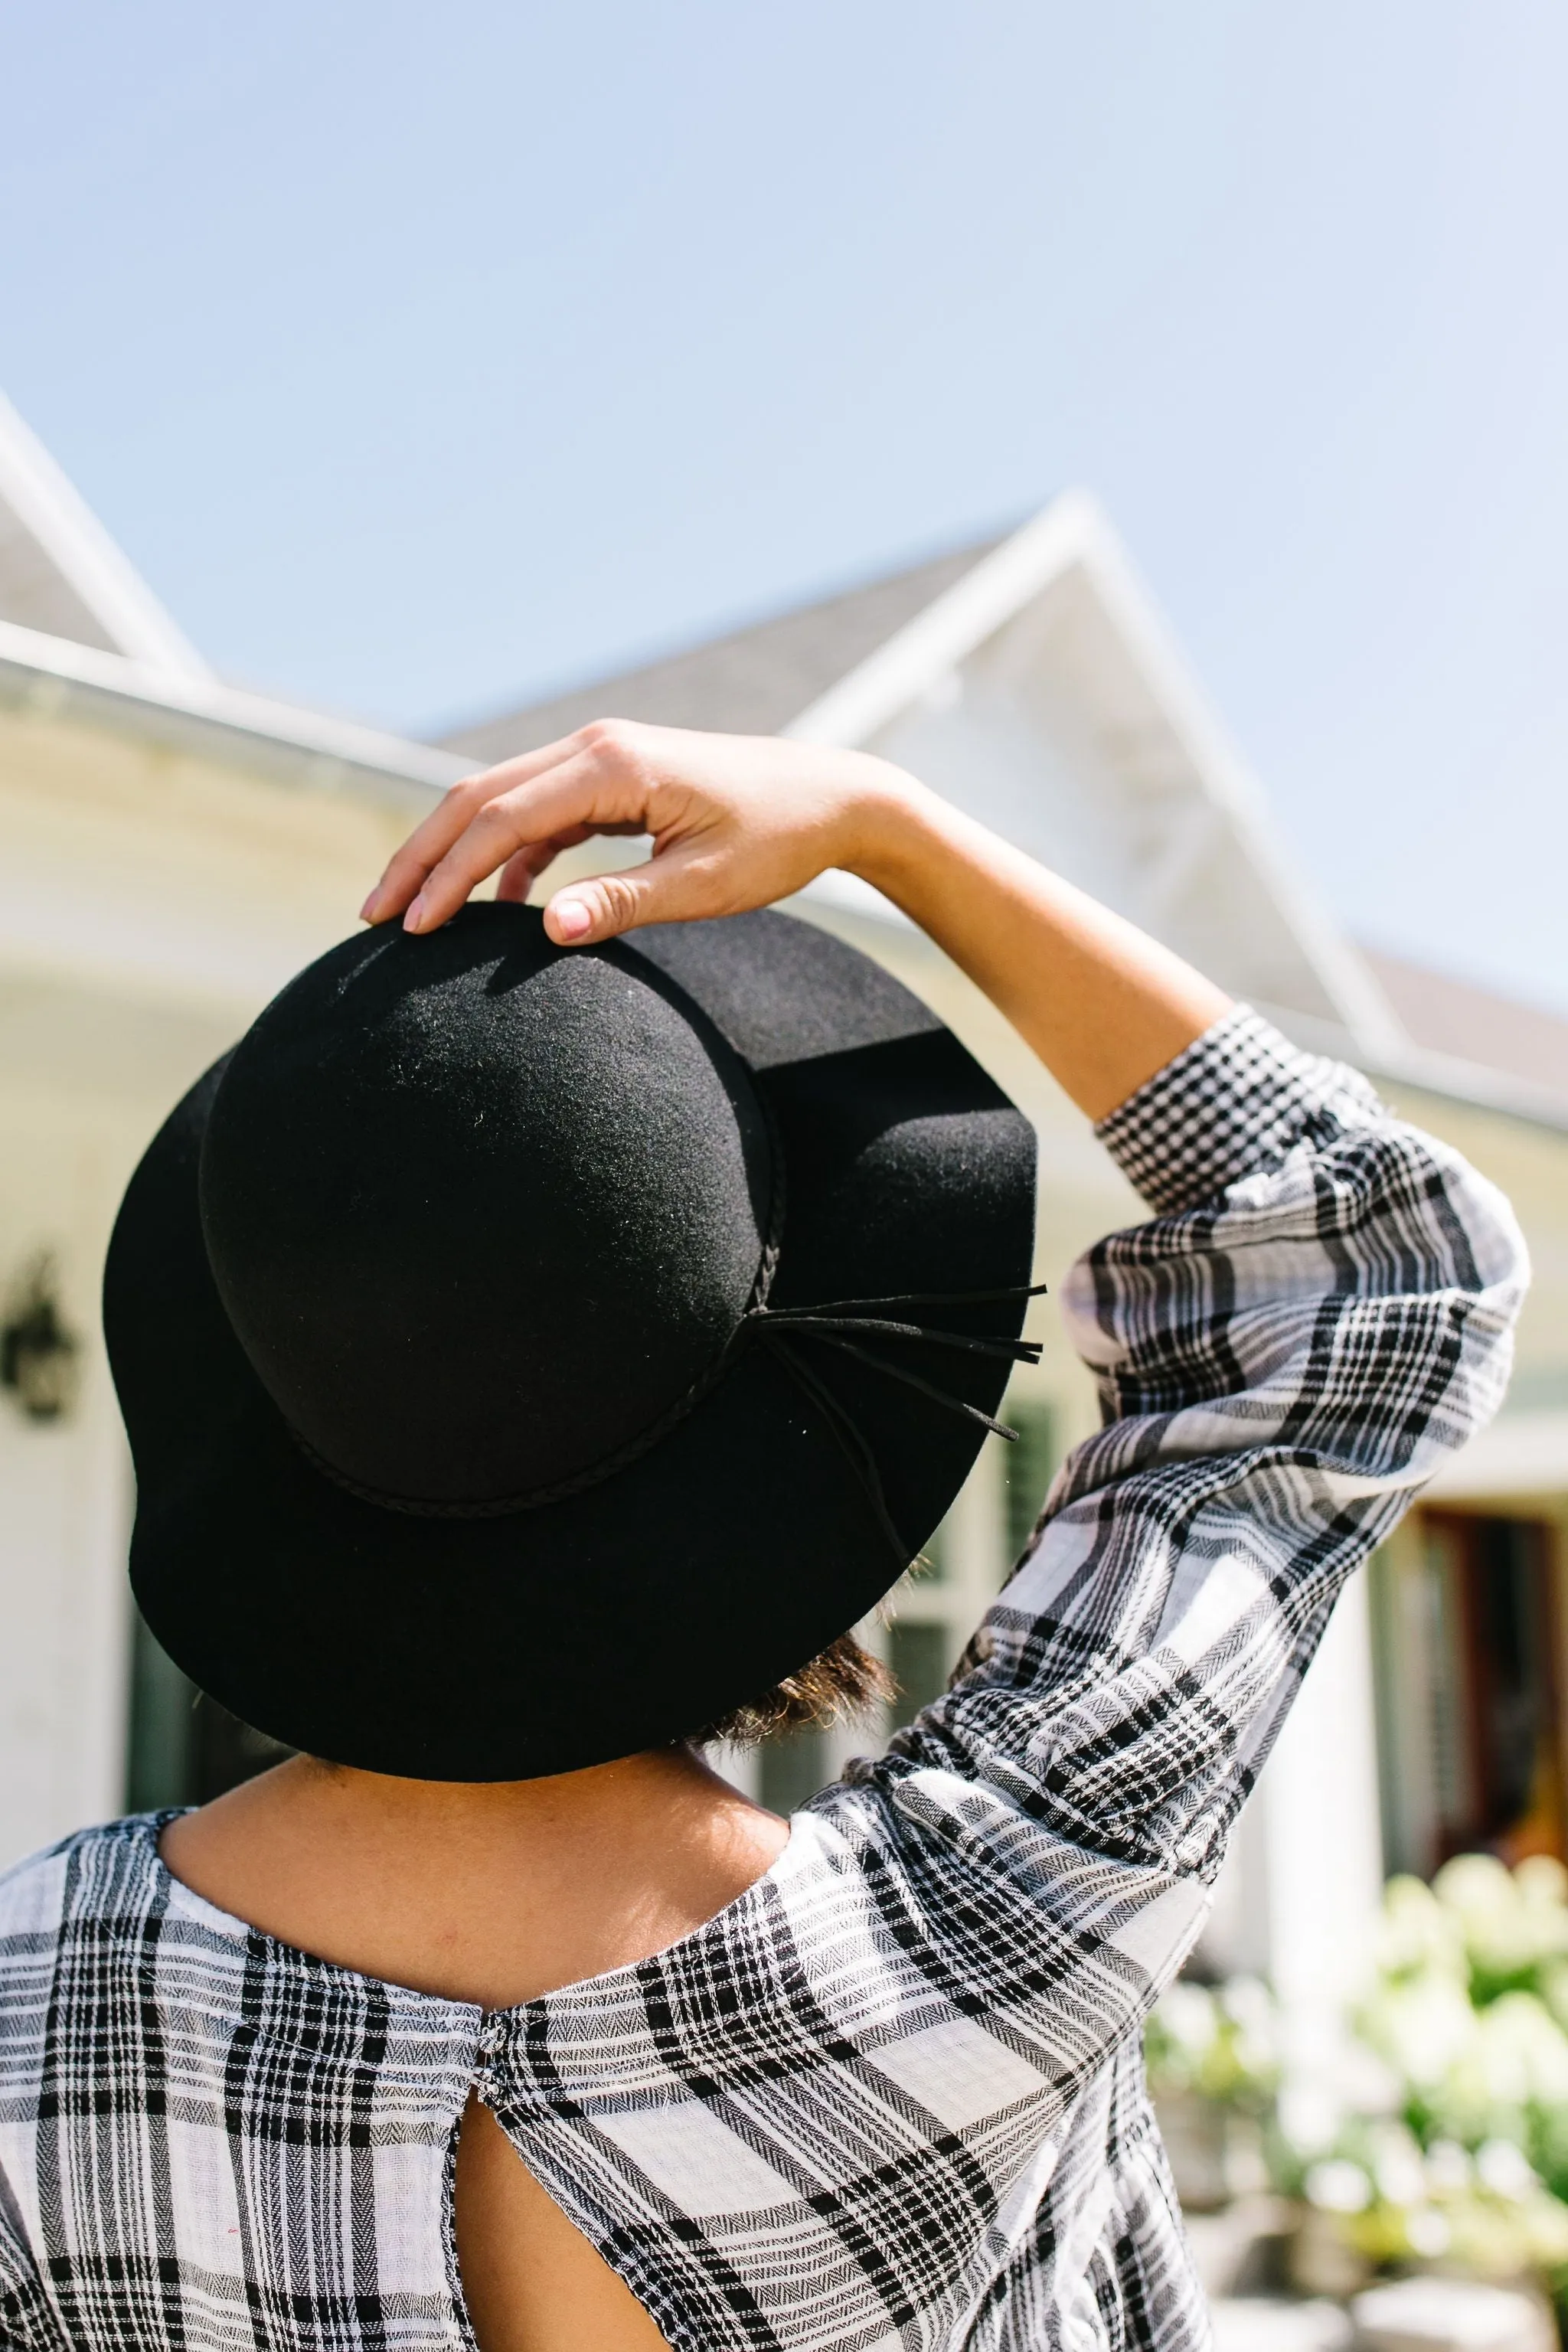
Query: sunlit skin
(496,1892)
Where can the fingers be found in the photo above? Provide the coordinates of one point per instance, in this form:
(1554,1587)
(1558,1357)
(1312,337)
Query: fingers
(522,870)
(572,801)
(520,874)
(776,805)
(680,887)
(429,842)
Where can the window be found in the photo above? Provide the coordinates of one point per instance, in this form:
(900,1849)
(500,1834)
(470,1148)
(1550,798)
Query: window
(919,1657)
(1470,1730)
(790,1770)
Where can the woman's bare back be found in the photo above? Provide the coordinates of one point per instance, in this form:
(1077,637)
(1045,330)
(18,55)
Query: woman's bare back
(533,2282)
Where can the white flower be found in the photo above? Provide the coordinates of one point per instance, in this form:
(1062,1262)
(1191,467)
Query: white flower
(1524,2052)
(1415,1935)
(1476,1885)
(1541,1879)
(1368,2085)
(1504,2169)
(1187,2013)
(1510,1920)
(1309,2116)
(1339,2186)
(1422,2026)
(1428,2233)
(1397,2167)
(1447,2169)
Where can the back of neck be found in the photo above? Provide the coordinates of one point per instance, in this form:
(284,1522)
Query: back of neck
(487,1892)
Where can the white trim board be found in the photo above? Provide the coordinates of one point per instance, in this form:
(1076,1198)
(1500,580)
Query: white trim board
(67,538)
(54,677)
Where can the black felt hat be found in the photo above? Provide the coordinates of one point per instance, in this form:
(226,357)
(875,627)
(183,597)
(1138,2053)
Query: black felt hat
(526,1352)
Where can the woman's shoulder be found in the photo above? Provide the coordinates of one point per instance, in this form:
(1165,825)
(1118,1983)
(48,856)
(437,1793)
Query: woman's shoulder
(108,1870)
(72,1917)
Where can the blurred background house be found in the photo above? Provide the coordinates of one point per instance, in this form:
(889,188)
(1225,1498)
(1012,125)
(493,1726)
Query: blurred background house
(170,849)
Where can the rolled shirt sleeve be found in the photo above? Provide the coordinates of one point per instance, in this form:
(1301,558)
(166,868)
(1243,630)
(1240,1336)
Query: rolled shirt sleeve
(1322,1312)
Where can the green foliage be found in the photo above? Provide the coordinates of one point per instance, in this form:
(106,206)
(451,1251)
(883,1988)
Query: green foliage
(1470,2006)
(1440,2131)
(1222,2044)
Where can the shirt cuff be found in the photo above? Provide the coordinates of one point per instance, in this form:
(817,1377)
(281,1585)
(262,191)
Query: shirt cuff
(1231,1106)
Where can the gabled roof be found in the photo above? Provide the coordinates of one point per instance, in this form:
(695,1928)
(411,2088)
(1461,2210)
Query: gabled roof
(1032,680)
(61,573)
(975,670)
(751,682)
(1043,692)
(82,636)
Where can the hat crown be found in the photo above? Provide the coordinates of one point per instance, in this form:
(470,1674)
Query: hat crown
(482,1211)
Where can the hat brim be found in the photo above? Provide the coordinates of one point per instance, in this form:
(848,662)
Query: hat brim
(696,1577)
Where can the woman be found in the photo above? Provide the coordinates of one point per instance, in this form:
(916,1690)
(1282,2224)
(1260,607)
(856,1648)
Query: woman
(536,1343)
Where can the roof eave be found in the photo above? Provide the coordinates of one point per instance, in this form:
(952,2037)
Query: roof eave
(51,676)
(309,751)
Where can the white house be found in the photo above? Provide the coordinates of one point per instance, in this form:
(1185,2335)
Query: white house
(170,850)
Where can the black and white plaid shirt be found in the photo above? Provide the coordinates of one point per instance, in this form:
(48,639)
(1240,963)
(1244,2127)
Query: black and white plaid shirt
(890,2100)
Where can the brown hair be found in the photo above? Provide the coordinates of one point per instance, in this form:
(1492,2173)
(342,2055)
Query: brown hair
(842,1682)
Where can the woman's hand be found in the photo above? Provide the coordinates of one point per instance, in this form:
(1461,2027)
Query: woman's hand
(740,820)
(737,821)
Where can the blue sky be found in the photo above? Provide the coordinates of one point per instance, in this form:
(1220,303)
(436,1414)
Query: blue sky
(425,359)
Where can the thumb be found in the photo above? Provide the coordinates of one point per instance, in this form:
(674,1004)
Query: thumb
(668,890)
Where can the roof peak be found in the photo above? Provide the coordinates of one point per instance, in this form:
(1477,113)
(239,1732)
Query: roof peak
(63,575)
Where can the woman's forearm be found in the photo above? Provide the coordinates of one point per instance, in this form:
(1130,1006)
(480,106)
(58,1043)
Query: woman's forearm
(1103,1004)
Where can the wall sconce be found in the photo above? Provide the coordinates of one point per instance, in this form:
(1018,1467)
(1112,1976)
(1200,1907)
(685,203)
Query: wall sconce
(40,1359)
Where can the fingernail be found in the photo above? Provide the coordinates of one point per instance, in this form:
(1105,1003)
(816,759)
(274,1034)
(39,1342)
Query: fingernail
(368,910)
(573,918)
(415,917)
